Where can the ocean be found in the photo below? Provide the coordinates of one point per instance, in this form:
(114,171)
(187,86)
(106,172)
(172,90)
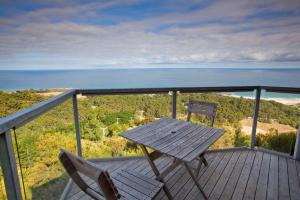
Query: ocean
(12,80)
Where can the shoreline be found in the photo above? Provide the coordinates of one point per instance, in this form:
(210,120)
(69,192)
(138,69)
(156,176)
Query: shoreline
(286,101)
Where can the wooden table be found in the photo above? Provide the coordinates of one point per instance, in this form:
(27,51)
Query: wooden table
(180,139)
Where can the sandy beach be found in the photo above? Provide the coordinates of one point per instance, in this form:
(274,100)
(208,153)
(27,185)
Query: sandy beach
(286,101)
(55,92)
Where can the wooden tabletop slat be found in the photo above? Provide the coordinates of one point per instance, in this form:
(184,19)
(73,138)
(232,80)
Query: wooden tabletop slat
(170,137)
(177,138)
(161,133)
(203,146)
(145,128)
(149,130)
(180,139)
(177,146)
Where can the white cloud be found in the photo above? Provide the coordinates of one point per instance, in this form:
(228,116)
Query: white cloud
(38,41)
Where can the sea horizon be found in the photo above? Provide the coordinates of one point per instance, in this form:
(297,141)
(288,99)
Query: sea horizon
(164,66)
(13,80)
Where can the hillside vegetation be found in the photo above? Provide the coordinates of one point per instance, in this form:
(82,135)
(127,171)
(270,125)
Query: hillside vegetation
(102,118)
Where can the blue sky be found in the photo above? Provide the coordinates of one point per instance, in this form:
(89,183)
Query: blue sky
(52,34)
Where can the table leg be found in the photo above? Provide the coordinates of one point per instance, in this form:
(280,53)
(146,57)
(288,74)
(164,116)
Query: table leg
(201,160)
(195,180)
(204,160)
(156,172)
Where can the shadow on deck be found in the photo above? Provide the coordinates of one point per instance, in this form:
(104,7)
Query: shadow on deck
(231,174)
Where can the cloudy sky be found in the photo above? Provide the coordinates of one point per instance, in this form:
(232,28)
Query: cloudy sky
(50,34)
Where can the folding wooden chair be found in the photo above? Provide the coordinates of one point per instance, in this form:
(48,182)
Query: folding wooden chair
(121,185)
(203,108)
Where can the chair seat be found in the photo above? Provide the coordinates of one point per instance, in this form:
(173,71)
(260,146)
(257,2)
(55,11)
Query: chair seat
(132,185)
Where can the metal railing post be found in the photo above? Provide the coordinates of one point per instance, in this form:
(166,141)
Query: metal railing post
(297,145)
(174,103)
(77,126)
(255,117)
(9,167)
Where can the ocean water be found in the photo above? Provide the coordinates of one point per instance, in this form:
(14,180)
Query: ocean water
(11,80)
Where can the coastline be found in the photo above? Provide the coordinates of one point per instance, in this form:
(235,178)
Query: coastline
(289,102)
(286,101)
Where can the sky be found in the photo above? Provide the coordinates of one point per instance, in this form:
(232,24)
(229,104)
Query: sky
(67,34)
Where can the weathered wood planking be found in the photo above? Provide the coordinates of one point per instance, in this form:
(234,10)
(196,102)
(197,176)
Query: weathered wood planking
(272,191)
(243,179)
(219,186)
(234,177)
(235,174)
(261,188)
(254,176)
(293,180)
(176,138)
(283,190)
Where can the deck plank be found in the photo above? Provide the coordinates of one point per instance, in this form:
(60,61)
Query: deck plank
(203,179)
(293,180)
(234,174)
(243,179)
(193,189)
(283,185)
(217,173)
(253,177)
(272,191)
(217,191)
(231,184)
(262,185)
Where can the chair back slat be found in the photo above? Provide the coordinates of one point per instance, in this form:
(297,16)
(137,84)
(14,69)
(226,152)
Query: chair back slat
(75,165)
(85,167)
(204,108)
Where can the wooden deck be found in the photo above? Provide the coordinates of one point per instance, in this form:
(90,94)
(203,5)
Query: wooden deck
(234,174)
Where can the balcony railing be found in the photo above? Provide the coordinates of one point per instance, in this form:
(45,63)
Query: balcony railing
(19,119)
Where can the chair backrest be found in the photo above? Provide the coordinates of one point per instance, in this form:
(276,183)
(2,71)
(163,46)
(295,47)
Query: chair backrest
(204,108)
(74,165)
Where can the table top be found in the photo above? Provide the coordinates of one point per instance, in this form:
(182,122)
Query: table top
(180,139)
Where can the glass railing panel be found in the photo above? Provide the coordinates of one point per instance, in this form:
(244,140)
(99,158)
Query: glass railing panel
(103,118)
(2,185)
(278,120)
(37,146)
(232,109)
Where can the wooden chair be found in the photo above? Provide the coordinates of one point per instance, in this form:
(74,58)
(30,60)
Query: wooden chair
(121,185)
(203,108)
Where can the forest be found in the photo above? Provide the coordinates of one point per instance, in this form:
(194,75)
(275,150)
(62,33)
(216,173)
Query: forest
(102,118)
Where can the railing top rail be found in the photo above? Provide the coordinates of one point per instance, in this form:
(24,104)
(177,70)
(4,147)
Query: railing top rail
(295,90)
(26,115)
(164,90)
